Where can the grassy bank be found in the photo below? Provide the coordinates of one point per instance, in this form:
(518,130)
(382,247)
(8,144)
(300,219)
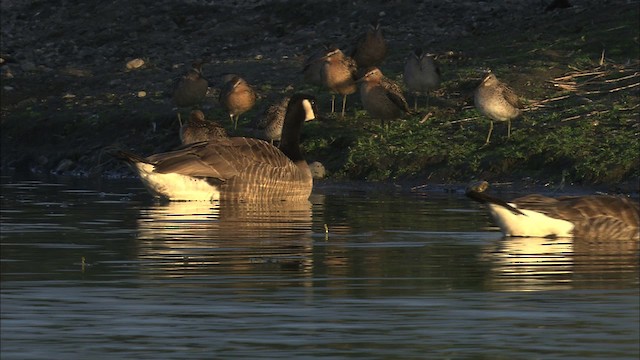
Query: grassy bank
(579,79)
(578,73)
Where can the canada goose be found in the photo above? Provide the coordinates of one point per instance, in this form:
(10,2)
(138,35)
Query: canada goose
(237,97)
(589,217)
(197,129)
(371,47)
(421,74)
(234,169)
(338,74)
(192,88)
(497,101)
(381,97)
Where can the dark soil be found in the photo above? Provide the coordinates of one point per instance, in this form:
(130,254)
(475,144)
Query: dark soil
(67,95)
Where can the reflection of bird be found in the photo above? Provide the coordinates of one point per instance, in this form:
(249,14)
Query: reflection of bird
(236,169)
(237,97)
(591,217)
(338,74)
(421,74)
(497,101)
(371,47)
(197,129)
(381,97)
(192,88)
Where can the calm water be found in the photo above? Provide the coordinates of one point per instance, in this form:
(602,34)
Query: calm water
(103,272)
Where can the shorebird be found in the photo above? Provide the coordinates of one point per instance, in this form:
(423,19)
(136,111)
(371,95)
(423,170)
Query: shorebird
(338,74)
(192,88)
(233,169)
(237,97)
(589,217)
(312,67)
(197,129)
(270,125)
(371,47)
(421,74)
(497,101)
(381,97)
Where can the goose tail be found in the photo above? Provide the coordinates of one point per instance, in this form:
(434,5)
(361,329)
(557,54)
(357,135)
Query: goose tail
(128,157)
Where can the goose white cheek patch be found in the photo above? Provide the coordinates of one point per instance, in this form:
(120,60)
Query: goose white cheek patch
(308,110)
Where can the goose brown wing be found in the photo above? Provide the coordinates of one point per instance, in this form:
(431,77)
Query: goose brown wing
(222,160)
(593,216)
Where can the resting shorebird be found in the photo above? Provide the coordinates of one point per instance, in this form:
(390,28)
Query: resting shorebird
(381,97)
(235,168)
(237,97)
(497,101)
(588,217)
(197,129)
(421,74)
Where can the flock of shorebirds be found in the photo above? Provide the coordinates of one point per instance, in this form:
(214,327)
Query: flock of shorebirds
(210,165)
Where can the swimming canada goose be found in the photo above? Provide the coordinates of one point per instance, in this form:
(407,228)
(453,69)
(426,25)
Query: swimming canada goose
(338,74)
(497,101)
(197,129)
(192,88)
(381,97)
(421,74)
(589,217)
(234,169)
(371,47)
(237,97)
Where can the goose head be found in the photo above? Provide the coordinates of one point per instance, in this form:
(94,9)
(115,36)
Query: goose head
(301,108)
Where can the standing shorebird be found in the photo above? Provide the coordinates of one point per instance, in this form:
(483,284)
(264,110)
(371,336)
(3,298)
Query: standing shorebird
(312,67)
(497,101)
(197,129)
(588,217)
(371,47)
(338,74)
(192,88)
(381,97)
(237,97)
(421,74)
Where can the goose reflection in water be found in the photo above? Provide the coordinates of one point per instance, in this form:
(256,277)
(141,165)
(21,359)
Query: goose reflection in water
(198,238)
(543,264)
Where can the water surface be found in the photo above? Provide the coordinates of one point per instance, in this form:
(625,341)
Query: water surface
(102,271)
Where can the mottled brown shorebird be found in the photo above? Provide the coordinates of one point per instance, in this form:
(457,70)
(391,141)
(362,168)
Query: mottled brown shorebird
(497,101)
(197,129)
(421,74)
(589,217)
(371,47)
(381,97)
(273,120)
(339,75)
(192,88)
(237,97)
